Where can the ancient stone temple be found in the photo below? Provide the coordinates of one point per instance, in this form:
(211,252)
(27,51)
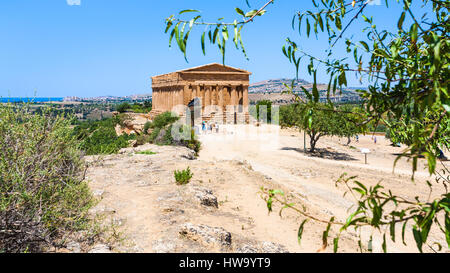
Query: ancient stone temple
(219,93)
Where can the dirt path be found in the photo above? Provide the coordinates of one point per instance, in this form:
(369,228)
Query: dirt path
(313,178)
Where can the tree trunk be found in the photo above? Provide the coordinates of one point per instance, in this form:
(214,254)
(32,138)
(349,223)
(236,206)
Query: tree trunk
(348,141)
(313,138)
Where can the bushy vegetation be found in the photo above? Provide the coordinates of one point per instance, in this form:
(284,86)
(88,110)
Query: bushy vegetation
(404,131)
(100,137)
(42,194)
(144,107)
(263,111)
(183,177)
(193,143)
(146,153)
(162,122)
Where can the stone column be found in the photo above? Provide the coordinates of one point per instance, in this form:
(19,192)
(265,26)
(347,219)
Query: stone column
(186,94)
(207,99)
(196,91)
(245,98)
(162,97)
(213,95)
(158,99)
(173,98)
(202,95)
(166,100)
(245,103)
(221,90)
(153,98)
(234,96)
(169,99)
(181,95)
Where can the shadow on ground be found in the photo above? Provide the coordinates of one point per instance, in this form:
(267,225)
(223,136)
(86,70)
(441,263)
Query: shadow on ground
(323,153)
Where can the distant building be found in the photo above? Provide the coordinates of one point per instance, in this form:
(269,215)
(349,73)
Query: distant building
(221,93)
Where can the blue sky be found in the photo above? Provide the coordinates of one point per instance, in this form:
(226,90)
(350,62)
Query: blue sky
(113,47)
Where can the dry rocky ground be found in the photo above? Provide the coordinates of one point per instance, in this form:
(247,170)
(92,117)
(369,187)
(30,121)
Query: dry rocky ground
(221,209)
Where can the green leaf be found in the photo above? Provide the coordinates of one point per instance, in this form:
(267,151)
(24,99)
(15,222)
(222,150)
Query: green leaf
(315,91)
(418,238)
(325,233)
(392,229)
(203,43)
(400,21)
(413,33)
(253,12)
(269,204)
(188,10)
(300,231)
(240,12)
(447,228)
(169,24)
(320,22)
(377,212)
(225,33)
(342,79)
(308,27)
(216,31)
(335,244)
(338,23)
(364,44)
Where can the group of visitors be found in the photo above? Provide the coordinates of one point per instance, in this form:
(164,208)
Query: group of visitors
(208,128)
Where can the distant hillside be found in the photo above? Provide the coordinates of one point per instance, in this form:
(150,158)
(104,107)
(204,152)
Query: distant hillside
(271,89)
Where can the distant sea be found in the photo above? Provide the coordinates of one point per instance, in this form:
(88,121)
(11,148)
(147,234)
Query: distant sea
(5,100)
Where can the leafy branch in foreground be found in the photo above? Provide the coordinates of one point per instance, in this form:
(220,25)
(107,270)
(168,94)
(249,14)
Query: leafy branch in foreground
(377,208)
(217,32)
(407,76)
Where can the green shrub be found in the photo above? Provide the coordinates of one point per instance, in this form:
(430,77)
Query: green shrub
(123,107)
(135,107)
(146,153)
(183,177)
(42,194)
(100,137)
(146,127)
(143,139)
(193,143)
(163,120)
(266,114)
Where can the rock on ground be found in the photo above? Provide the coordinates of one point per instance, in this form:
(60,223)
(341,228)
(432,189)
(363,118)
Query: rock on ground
(211,236)
(100,248)
(206,197)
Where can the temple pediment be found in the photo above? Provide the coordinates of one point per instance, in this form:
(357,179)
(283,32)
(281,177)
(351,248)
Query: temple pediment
(214,68)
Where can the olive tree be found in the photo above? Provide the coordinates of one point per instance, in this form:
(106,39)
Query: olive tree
(319,120)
